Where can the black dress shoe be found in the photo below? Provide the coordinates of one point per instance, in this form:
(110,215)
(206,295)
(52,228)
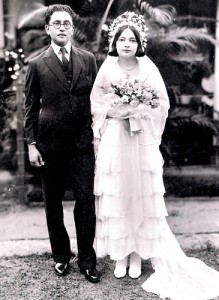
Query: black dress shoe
(91,275)
(61,269)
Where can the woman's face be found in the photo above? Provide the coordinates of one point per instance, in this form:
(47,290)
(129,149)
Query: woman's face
(126,44)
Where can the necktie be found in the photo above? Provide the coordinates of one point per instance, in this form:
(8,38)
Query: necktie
(64,59)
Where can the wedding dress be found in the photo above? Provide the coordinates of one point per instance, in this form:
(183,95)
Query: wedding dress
(130,209)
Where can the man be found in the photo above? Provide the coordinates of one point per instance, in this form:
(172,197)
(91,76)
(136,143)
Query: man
(59,136)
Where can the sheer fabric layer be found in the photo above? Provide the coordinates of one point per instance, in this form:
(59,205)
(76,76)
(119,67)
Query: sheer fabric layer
(129,192)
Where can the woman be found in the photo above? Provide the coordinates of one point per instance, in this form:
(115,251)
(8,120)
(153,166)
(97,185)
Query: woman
(129,106)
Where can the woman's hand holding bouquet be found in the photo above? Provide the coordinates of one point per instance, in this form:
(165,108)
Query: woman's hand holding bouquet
(132,98)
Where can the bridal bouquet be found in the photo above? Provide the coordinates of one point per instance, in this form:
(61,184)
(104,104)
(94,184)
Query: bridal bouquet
(131,94)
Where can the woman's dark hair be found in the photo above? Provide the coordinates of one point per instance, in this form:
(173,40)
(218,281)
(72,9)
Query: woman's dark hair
(140,51)
(58,7)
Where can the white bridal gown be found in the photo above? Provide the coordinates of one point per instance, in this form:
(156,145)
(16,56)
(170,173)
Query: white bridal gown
(130,208)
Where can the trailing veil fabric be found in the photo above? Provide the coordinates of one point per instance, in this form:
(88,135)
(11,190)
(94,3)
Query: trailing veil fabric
(130,208)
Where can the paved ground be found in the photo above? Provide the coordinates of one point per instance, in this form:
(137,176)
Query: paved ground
(195,222)
(23,231)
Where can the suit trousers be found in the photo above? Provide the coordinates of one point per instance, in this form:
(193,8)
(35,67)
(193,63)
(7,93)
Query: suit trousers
(63,171)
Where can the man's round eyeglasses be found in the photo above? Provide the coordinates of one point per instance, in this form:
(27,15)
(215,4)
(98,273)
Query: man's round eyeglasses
(57,25)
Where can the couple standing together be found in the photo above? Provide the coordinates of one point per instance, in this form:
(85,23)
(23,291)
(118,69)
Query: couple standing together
(83,137)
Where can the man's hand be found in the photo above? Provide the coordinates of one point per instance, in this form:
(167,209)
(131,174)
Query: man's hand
(35,157)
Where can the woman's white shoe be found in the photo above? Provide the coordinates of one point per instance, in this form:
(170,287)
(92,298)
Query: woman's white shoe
(135,265)
(121,266)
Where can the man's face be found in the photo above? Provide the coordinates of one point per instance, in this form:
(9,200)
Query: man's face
(62,35)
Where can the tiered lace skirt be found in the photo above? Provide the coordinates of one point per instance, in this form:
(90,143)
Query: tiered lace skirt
(131,215)
(129,190)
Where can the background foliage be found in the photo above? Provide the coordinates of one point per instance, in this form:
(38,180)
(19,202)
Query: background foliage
(181,50)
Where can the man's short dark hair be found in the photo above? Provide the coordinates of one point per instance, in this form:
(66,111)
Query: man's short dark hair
(58,7)
(140,51)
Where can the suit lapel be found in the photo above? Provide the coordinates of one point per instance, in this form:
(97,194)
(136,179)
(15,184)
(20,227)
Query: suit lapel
(52,62)
(77,65)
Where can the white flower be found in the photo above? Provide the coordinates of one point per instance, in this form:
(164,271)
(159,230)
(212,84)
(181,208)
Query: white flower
(134,103)
(132,93)
(125,99)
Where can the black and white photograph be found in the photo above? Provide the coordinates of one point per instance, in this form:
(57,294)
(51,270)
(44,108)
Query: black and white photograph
(109,150)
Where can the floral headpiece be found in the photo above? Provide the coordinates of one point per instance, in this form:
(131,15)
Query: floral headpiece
(131,19)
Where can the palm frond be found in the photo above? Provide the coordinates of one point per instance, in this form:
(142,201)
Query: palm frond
(33,19)
(194,35)
(85,29)
(181,43)
(162,14)
(187,56)
(181,117)
(34,39)
(185,37)
(79,35)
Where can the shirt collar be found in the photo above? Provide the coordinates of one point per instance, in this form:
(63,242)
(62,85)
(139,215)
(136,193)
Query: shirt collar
(56,48)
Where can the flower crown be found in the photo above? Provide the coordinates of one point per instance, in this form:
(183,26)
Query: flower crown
(131,19)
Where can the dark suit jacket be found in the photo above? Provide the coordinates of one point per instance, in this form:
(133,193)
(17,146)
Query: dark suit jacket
(57,114)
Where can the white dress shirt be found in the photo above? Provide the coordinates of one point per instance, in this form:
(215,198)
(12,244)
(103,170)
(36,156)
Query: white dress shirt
(56,49)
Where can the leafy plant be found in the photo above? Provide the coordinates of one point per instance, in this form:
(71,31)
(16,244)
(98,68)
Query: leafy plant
(8,127)
(178,43)
(181,117)
(167,40)
(162,14)
(187,137)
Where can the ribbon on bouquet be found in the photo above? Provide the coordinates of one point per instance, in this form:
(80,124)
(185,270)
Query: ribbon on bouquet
(133,117)
(135,125)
